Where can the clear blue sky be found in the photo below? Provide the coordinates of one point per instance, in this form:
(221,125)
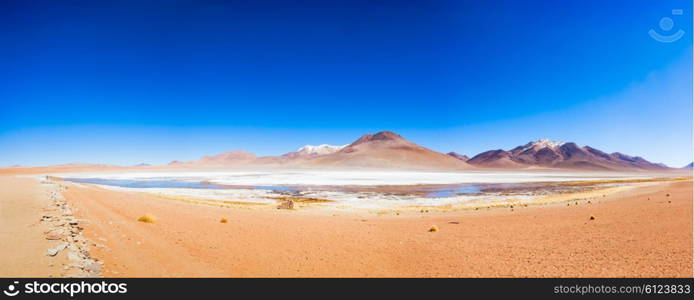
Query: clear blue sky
(153,81)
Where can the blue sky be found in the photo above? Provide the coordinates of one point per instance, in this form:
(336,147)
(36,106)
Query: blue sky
(154,81)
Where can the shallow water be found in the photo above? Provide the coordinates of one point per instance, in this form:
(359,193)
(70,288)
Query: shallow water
(146,183)
(299,178)
(454,191)
(434,192)
(378,194)
(127,183)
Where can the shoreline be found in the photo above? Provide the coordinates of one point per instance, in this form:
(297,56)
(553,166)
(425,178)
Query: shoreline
(383,200)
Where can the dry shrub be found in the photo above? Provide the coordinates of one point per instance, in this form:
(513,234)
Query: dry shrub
(147,218)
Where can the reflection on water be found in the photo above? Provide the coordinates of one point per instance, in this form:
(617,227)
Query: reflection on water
(276,188)
(146,183)
(453,191)
(172,184)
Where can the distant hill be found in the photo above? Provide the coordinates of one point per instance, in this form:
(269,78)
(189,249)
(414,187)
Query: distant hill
(552,154)
(230,158)
(458,156)
(389,150)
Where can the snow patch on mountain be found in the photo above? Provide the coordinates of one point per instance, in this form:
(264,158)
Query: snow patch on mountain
(543,143)
(319,149)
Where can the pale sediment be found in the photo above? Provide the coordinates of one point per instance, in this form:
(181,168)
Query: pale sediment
(66,230)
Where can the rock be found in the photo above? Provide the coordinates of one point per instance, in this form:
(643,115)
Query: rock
(93,268)
(57,249)
(54,236)
(289,204)
(59,231)
(73,256)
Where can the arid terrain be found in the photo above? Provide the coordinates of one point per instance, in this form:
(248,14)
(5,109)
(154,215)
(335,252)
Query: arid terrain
(381,206)
(640,229)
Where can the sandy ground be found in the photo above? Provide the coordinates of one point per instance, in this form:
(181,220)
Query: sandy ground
(23,245)
(639,232)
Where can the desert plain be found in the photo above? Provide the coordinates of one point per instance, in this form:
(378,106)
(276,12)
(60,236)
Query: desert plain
(582,225)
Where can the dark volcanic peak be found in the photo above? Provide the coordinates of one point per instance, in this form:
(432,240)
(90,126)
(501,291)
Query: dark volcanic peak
(489,155)
(635,159)
(551,154)
(495,159)
(689,166)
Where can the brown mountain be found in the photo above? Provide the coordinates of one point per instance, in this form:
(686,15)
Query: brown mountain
(236,157)
(387,149)
(458,156)
(551,154)
(495,159)
(310,151)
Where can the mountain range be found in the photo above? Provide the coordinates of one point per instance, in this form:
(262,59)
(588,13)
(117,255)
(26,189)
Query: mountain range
(551,154)
(387,149)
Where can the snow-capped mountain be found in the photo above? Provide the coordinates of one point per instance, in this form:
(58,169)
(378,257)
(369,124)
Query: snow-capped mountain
(542,143)
(319,150)
(313,151)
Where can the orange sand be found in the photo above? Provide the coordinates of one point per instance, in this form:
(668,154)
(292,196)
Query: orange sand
(630,236)
(23,246)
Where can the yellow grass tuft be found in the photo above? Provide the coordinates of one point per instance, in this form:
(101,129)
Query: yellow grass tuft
(147,218)
(300,199)
(223,220)
(434,228)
